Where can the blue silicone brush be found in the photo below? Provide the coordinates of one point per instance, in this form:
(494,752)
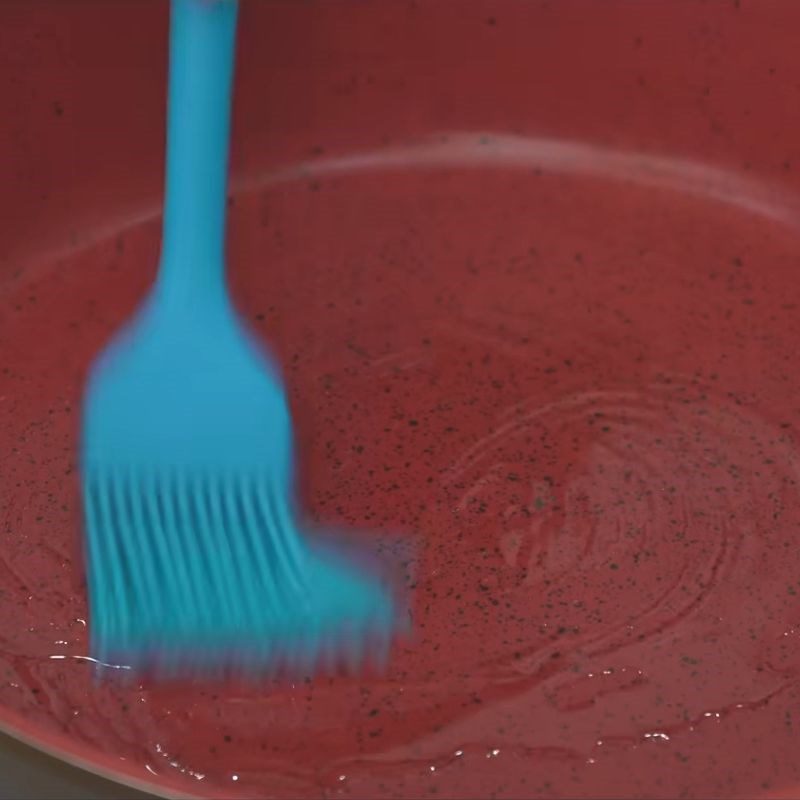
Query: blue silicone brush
(195,561)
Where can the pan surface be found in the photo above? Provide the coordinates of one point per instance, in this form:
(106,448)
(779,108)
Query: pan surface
(545,327)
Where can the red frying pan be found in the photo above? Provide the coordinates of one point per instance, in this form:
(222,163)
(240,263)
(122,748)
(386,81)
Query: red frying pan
(531,268)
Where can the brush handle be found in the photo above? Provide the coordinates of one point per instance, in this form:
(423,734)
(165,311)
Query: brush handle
(201,57)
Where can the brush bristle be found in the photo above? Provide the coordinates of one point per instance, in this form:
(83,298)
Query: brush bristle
(208,575)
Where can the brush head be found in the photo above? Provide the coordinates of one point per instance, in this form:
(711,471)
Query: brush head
(195,562)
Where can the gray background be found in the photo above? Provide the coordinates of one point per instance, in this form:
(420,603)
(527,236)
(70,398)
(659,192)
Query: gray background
(27,774)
